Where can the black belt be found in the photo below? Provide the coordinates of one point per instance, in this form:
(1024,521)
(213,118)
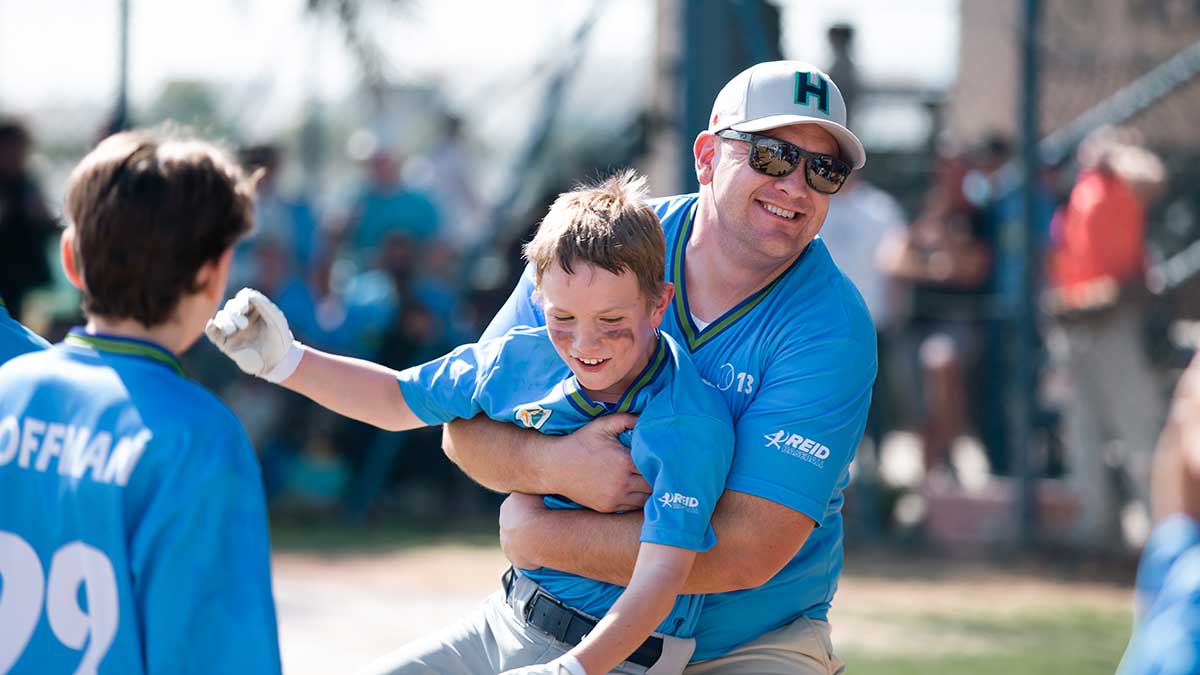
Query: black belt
(569,626)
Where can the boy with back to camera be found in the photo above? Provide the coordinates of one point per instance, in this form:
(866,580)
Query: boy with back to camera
(599,257)
(133,528)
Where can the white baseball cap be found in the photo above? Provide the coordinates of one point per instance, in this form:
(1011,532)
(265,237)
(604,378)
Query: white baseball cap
(781,93)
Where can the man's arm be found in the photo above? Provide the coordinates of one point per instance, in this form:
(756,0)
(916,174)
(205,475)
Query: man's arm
(590,466)
(755,539)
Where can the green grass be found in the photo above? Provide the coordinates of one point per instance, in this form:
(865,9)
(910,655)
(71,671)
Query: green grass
(1073,641)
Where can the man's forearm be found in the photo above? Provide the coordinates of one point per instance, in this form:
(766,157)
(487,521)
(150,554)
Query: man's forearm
(755,539)
(604,547)
(599,546)
(502,457)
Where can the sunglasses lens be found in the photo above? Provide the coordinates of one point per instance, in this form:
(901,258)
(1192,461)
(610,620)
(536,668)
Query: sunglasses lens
(772,159)
(826,174)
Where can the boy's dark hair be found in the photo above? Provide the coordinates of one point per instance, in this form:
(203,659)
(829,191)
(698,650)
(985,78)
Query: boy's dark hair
(149,209)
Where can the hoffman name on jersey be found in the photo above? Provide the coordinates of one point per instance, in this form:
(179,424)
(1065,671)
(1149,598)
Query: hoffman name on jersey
(33,443)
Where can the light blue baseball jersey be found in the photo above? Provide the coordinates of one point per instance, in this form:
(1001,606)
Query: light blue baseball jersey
(1166,640)
(795,363)
(682,442)
(133,529)
(16,339)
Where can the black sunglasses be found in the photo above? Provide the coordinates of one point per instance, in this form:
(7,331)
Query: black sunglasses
(776,158)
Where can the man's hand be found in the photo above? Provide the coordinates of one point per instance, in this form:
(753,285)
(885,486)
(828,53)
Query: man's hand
(595,470)
(517,516)
(252,331)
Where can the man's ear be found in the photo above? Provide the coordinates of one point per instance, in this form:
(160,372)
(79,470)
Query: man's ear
(66,251)
(212,275)
(705,152)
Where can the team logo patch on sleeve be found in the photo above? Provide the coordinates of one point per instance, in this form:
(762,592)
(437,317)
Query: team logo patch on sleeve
(675,500)
(807,449)
(533,416)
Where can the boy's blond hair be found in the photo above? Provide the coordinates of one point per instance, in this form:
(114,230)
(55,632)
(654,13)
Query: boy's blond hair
(608,225)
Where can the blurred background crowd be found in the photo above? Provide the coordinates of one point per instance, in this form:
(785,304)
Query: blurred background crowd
(1029,331)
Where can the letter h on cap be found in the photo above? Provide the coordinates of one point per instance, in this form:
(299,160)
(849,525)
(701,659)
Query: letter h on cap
(804,87)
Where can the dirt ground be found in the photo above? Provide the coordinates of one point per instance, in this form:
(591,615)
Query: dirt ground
(339,611)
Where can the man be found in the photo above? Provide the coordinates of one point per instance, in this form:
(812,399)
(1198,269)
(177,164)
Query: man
(1166,639)
(772,323)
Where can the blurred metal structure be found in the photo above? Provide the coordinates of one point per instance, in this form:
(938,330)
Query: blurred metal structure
(719,40)
(120,116)
(1023,388)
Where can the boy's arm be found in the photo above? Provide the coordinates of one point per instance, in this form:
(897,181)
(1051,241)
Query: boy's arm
(365,391)
(253,332)
(657,579)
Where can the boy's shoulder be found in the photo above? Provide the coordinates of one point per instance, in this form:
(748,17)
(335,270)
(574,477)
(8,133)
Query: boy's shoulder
(16,339)
(684,391)
(164,398)
(524,354)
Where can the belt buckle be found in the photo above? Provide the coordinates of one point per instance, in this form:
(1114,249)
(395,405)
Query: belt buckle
(560,631)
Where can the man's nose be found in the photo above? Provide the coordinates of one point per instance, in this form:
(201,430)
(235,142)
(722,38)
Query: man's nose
(794,184)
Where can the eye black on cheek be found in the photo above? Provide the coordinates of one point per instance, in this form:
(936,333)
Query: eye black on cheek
(619,334)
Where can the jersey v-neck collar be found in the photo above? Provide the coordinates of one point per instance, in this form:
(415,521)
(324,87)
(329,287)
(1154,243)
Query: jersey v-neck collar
(584,403)
(124,346)
(695,337)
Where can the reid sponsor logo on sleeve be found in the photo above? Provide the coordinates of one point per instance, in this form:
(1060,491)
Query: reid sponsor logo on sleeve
(807,449)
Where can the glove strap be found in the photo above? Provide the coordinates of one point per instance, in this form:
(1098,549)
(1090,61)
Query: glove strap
(569,663)
(287,365)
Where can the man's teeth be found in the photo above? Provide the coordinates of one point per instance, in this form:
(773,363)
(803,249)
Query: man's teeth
(779,212)
(590,362)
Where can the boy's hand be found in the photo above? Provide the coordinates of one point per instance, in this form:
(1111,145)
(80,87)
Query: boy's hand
(252,331)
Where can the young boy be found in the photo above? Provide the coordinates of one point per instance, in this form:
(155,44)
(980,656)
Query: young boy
(16,339)
(133,529)
(599,256)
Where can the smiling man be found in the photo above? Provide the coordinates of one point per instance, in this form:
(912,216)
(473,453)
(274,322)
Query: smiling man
(768,318)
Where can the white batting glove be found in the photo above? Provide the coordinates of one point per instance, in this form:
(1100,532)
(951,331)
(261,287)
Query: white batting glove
(566,664)
(252,331)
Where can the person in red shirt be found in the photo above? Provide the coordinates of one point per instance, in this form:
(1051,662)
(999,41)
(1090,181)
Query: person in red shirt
(1095,279)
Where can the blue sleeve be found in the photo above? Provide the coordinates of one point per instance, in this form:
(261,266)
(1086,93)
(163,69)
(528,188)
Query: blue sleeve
(520,310)
(16,339)
(449,388)
(797,437)
(201,565)
(1167,636)
(685,458)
